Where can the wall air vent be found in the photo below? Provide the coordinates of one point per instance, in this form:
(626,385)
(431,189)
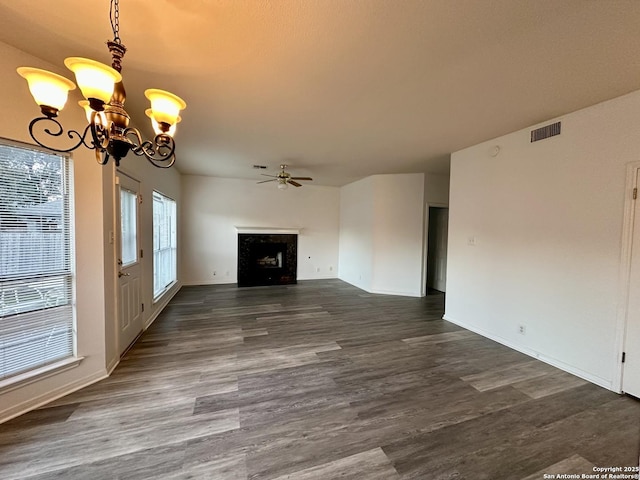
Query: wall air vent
(545,132)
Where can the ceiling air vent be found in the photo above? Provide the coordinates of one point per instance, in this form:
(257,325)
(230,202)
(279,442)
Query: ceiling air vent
(260,167)
(545,132)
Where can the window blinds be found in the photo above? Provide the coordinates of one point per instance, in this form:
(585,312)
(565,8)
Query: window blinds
(36,263)
(164,244)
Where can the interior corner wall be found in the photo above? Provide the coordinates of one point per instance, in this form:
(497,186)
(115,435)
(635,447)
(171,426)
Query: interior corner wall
(213,207)
(398,234)
(535,238)
(381,233)
(356,233)
(91,306)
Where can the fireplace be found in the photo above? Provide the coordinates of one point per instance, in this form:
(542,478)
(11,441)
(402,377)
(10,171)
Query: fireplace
(267,259)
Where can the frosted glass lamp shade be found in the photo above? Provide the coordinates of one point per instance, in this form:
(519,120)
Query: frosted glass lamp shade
(48,89)
(156,126)
(165,106)
(96,80)
(88,111)
(282,184)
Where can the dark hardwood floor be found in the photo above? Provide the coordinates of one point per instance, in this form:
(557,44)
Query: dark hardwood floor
(320,380)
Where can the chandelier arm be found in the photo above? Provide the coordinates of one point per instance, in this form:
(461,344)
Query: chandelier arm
(72,134)
(99,133)
(102,156)
(160,152)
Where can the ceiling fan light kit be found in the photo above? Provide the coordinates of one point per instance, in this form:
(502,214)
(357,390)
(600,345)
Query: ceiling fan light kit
(108,131)
(285,179)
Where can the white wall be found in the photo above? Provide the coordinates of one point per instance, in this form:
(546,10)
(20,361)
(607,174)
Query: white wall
(356,233)
(436,189)
(213,207)
(398,234)
(547,221)
(90,241)
(381,233)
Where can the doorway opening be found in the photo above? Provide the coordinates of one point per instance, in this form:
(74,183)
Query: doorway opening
(437,236)
(627,358)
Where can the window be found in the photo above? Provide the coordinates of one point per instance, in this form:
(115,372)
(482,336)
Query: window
(164,244)
(36,263)
(128,224)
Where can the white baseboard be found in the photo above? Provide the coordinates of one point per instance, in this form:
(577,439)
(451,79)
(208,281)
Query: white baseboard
(383,292)
(354,284)
(112,365)
(399,294)
(160,306)
(50,396)
(535,354)
(195,283)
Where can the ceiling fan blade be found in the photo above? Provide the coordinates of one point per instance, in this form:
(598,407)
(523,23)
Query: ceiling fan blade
(265,181)
(267,175)
(301,178)
(294,183)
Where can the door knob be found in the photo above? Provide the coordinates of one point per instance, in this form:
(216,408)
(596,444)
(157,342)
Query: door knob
(120,274)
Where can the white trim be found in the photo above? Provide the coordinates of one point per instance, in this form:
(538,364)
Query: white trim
(112,365)
(270,230)
(195,283)
(381,292)
(37,374)
(162,302)
(602,382)
(398,294)
(624,274)
(50,396)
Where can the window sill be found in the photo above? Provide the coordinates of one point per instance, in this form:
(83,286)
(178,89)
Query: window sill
(38,374)
(158,298)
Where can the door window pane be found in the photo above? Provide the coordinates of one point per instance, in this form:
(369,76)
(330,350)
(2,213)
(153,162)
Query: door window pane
(128,227)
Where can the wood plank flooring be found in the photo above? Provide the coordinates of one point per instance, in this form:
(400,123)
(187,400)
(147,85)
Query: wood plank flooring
(320,380)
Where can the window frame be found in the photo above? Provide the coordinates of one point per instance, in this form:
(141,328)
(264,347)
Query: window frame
(159,293)
(37,370)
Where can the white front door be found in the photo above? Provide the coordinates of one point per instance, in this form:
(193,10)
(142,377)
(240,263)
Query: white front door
(129,269)
(631,366)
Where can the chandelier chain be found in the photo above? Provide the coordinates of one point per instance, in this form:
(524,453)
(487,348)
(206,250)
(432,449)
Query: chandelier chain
(107,132)
(114,16)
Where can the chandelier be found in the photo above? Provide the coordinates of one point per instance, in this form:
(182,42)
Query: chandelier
(108,131)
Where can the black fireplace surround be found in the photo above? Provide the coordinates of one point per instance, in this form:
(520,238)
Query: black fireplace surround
(267,259)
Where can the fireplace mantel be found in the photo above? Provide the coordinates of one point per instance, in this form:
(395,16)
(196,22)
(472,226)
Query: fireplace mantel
(270,230)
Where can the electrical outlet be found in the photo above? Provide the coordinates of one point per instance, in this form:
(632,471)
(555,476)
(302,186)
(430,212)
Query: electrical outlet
(317,269)
(522,330)
(227,273)
(331,269)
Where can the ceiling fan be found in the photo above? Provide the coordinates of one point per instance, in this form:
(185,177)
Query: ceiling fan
(284,178)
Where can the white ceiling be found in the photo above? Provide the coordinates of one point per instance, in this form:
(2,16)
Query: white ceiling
(342,89)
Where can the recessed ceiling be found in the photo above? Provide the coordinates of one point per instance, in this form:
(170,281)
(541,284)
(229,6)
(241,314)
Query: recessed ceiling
(338,89)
